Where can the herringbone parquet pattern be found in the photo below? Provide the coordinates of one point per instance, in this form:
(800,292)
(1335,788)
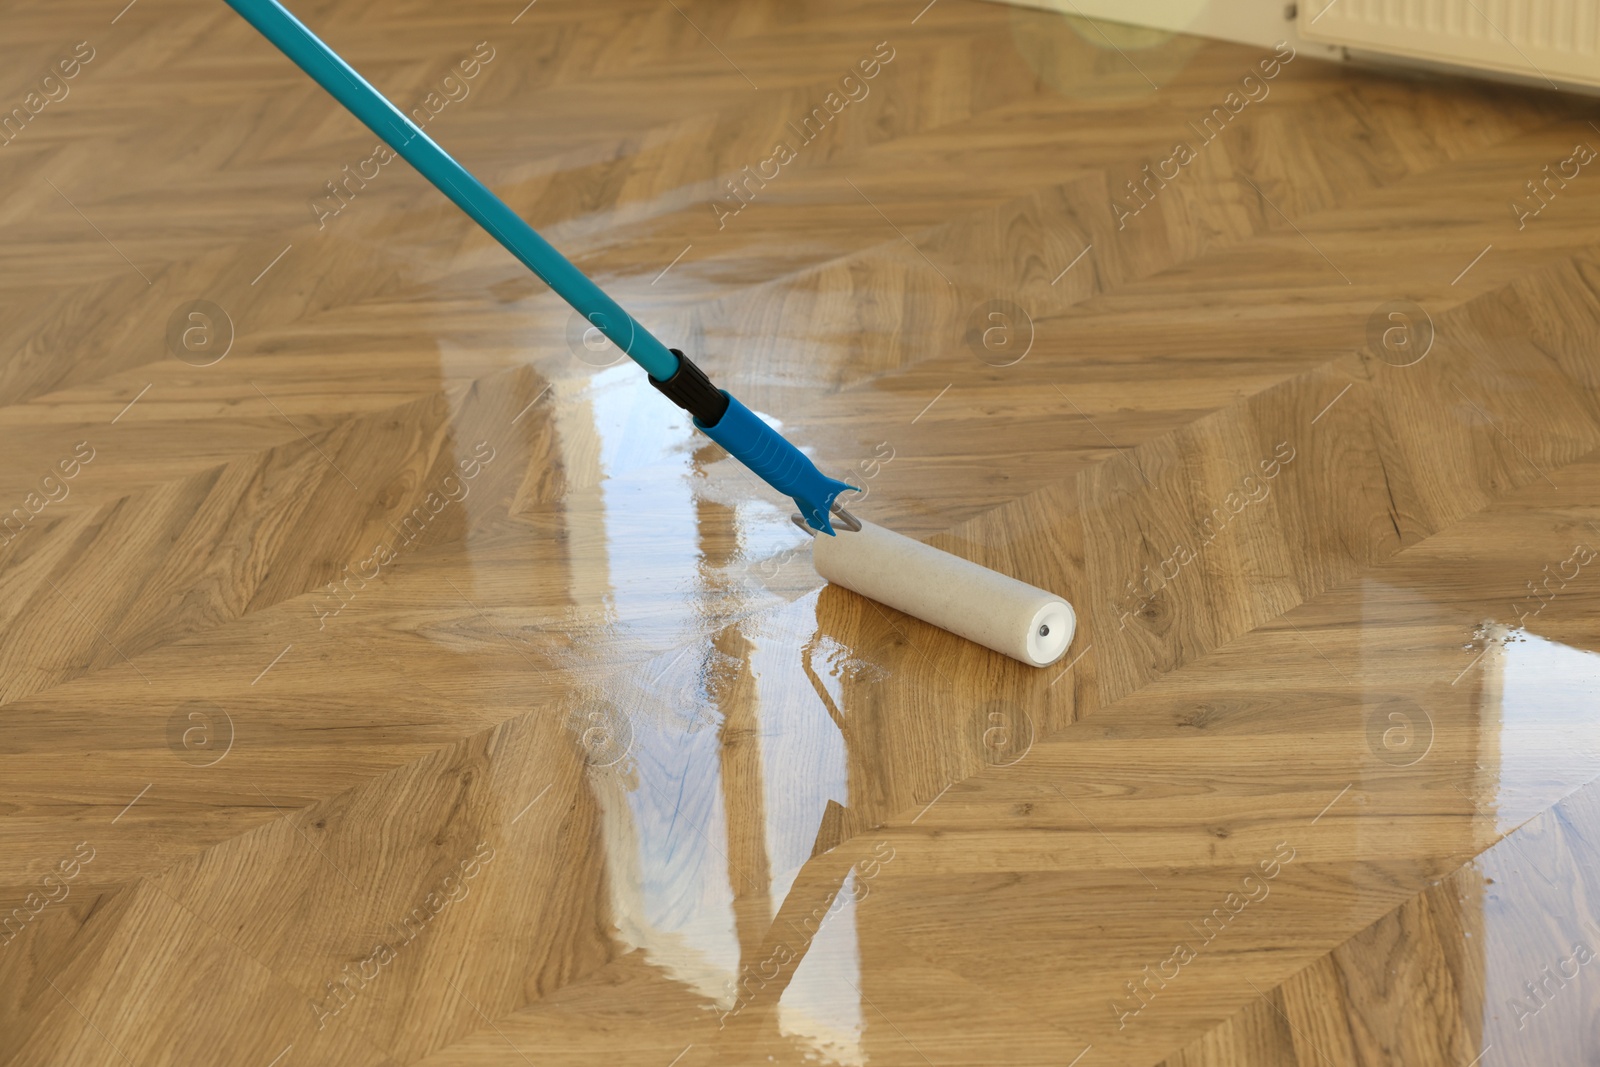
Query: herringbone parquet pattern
(385,678)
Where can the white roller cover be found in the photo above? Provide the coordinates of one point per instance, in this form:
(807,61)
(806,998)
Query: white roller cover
(954,594)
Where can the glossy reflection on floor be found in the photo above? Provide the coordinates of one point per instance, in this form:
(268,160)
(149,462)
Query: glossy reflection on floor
(413,685)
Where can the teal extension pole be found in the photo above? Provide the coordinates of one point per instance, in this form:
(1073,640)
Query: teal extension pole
(716,413)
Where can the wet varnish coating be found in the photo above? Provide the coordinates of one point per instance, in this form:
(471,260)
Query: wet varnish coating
(388,676)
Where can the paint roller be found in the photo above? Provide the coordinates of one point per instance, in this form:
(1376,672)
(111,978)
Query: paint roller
(1006,615)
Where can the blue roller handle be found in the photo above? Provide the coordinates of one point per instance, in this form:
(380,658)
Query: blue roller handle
(751,441)
(778,463)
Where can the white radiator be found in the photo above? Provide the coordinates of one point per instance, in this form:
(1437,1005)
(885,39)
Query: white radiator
(1550,41)
(1542,41)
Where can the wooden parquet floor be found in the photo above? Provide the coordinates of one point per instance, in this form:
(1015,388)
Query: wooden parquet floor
(387,677)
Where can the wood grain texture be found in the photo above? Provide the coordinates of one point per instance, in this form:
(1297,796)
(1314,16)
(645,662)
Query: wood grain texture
(388,677)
